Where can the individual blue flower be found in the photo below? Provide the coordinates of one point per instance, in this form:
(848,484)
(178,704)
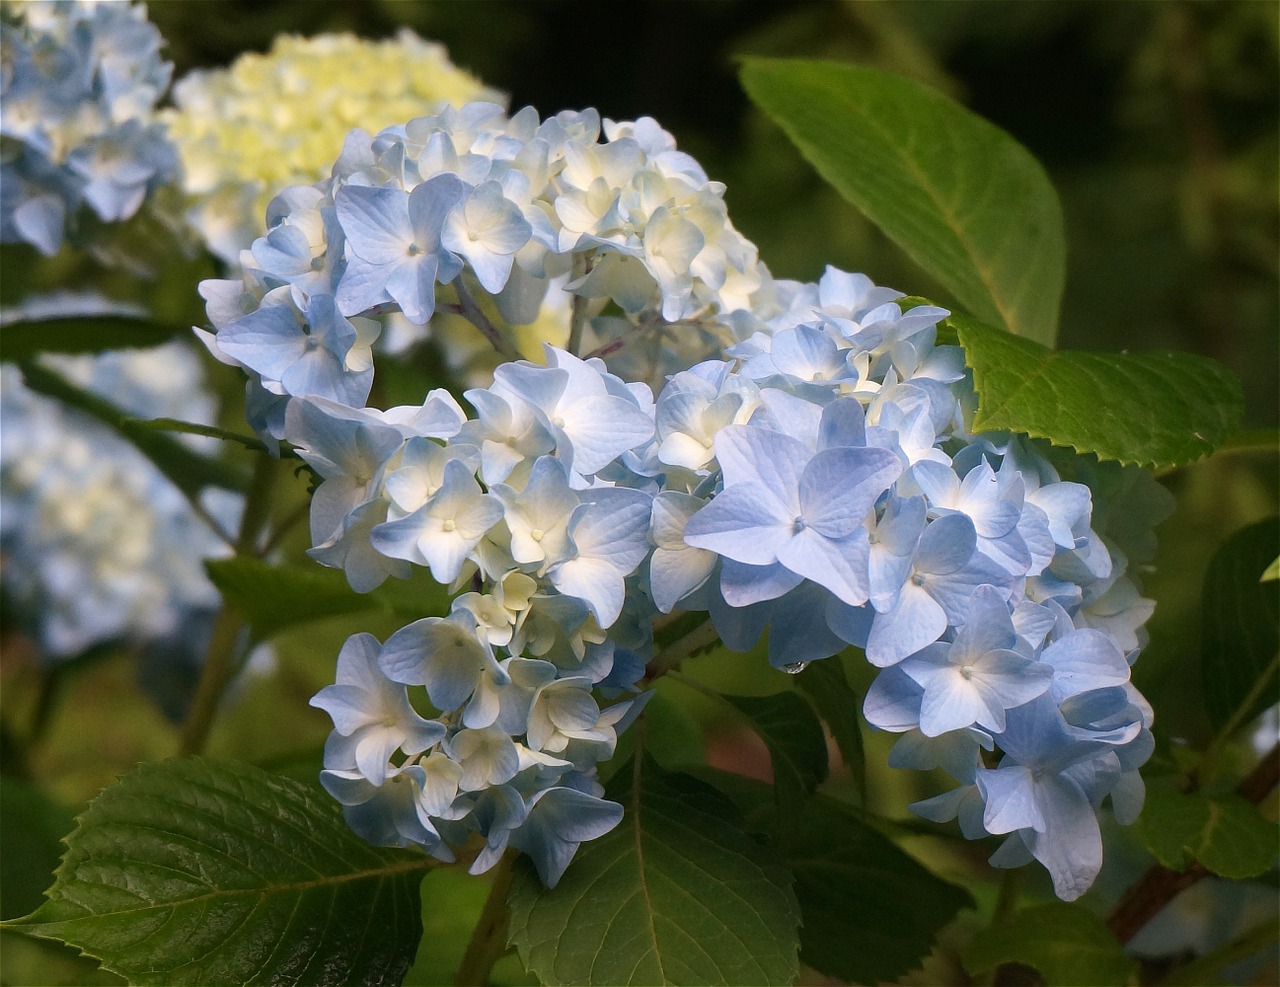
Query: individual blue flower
(393,238)
(610,539)
(372,717)
(442,532)
(974,679)
(445,654)
(559,820)
(486,229)
(306,351)
(1045,789)
(782,503)
(945,570)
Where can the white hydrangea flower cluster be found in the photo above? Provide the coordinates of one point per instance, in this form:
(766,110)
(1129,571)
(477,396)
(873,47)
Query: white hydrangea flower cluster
(806,468)
(97,545)
(80,80)
(278,119)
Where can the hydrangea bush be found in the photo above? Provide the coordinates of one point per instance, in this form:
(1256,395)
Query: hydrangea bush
(918,526)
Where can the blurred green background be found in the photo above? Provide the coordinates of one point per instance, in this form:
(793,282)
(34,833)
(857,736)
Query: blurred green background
(1157,123)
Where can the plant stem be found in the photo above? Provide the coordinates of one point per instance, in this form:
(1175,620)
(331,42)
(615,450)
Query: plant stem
(472,313)
(489,939)
(1262,687)
(1160,885)
(580,309)
(1010,889)
(220,663)
(219,666)
(702,636)
(1204,969)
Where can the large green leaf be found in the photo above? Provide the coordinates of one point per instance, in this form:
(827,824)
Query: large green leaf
(676,894)
(1067,944)
(826,686)
(797,747)
(83,334)
(274,597)
(198,872)
(1148,409)
(965,200)
(1225,833)
(1241,625)
(189,471)
(871,913)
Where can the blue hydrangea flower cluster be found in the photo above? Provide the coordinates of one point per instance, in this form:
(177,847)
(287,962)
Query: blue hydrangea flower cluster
(509,210)
(806,468)
(98,545)
(79,81)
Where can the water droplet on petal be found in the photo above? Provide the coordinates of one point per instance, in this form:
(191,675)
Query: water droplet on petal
(795,667)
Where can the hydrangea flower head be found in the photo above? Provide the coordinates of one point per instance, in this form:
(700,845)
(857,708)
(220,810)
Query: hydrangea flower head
(273,120)
(806,466)
(100,544)
(80,81)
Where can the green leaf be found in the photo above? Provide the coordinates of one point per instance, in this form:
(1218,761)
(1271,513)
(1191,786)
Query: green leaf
(195,428)
(274,597)
(826,686)
(83,334)
(1148,409)
(1272,572)
(871,913)
(1241,625)
(1068,945)
(797,747)
(198,872)
(676,894)
(1225,833)
(189,471)
(966,201)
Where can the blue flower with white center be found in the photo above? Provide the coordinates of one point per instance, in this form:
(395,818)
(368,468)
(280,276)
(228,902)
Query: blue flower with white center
(486,229)
(372,717)
(591,424)
(945,570)
(973,680)
(305,351)
(538,516)
(442,532)
(610,540)
(782,503)
(445,654)
(1044,790)
(393,238)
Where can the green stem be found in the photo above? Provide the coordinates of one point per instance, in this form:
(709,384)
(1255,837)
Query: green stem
(1204,969)
(1205,768)
(472,313)
(489,938)
(219,666)
(702,636)
(1010,889)
(220,660)
(580,307)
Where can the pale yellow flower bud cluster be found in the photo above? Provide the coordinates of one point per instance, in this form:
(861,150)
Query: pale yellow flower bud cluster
(278,119)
